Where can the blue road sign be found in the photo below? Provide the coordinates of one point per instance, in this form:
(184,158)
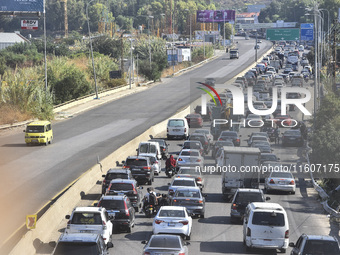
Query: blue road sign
(307,32)
(307,26)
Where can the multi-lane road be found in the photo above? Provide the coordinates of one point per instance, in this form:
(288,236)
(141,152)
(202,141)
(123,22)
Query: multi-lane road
(31,176)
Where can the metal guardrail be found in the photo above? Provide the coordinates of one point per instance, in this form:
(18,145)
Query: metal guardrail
(324,196)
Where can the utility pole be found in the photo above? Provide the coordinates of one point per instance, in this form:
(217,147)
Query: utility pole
(334,55)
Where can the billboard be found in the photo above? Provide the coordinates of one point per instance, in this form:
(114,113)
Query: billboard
(210,16)
(22,6)
(29,24)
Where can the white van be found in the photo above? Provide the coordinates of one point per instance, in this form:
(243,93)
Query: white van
(150,148)
(177,128)
(265,225)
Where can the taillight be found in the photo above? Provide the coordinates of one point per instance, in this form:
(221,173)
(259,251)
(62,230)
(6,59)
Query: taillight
(185,130)
(126,167)
(146,253)
(198,160)
(104,182)
(171,191)
(248,232)
(158,221)
(180,159)
(127,212)
(182,253)
(220,139)
(199,179)
(234,206)
(147,167)
(206,143)
(287,234)
(292,182)
(175,200)
(271,181)
(104,225)
(237,140)
(200,201)
(134,191)
(184,222)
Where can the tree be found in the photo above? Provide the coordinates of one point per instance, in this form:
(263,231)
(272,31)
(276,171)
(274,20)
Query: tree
(228,30)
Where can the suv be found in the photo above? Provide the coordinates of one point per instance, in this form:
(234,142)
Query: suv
(94,220)
(140,168)
(315,244)
(129,188)
(203,139)
(80,243)
(234,53)
(241,199)
(115,174)
(121,209)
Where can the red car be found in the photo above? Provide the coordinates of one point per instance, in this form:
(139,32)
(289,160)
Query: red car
(194,120)
(286,120)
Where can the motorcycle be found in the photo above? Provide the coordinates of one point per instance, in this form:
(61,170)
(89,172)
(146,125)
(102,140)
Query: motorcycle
(170,171)
(150,210)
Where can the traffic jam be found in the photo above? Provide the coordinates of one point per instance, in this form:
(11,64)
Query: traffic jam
(217,181)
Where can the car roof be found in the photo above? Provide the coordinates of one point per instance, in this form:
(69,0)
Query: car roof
(189,188)
(266,206)
(87,209)
(169,207)
(194,150)
(39,123)
(184,178)
(320,237)
(249,190)
(135,157)
(78,237)
(118,170)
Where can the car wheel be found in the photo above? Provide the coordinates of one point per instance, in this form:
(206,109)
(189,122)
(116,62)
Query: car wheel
(50,142)
(150,182)
(283,250)
(136,209)
(187,237)
(293,192)
(46,142)
(168,137)
(202,216)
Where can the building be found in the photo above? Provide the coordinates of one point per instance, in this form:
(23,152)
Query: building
(9,39)
(247,18)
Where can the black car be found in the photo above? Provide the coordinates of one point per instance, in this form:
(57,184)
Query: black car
(230,135)
(203,139)
(220,144)
(163,145)
(129,188)
(141,168)
(196,145)
(121,209)
(268,157)
(292,137)
(315,244)
(241,199)
(207,116)
(115,174)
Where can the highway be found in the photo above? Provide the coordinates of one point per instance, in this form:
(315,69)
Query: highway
(32,175)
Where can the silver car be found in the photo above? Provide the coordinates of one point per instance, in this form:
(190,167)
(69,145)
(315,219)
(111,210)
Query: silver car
(191,172)
(165,244)
(190,157)
(207,133)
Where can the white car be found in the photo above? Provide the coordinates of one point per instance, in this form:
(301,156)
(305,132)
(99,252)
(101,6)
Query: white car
(94,220)
(172,220)
(258,138)
(190,157)
(156,164)
(181,182)
(282,181)
(206,132)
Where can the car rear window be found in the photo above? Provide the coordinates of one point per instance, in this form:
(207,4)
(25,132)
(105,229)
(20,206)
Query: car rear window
(136,162)
(183,183)
(268,219)
(86,218)
(190,153)
(176,123)
(110,204)
(35,129)
(111,176)
(165,242)
(76,248)
(188,171)
(187,193)
(321,247)
(193,145)
(121,186)
(247,197)
(281,175)
(172,213)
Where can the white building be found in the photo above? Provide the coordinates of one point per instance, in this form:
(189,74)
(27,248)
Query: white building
(9,39)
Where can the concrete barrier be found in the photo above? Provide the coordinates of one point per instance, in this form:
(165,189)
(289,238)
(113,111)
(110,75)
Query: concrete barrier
(51,219)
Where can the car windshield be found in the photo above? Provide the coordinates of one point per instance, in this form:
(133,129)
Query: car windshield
(110,204)
(281,175)
(203,131)
(192,145)
(161,142)
(270,157)
(121,186)
(76,248)
(247,197)
(321,247)
(190,171)
(224,143)
(176,123)
(189,153)
(183,183)
(165,242)
(86,218)
(268,219)
(172,213)
(136,162)
(35,129)
(111,176)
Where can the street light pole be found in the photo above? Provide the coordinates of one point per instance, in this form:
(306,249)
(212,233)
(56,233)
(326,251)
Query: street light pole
(224,30)
(149,17)
(94,70)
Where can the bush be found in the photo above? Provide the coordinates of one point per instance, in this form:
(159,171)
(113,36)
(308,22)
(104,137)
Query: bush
(112,83)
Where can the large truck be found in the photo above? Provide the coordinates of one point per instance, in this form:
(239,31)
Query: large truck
(240,168)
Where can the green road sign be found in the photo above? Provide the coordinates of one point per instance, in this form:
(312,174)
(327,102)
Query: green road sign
(286,34)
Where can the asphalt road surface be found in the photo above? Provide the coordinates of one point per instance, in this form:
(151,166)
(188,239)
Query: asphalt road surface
(32,175)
